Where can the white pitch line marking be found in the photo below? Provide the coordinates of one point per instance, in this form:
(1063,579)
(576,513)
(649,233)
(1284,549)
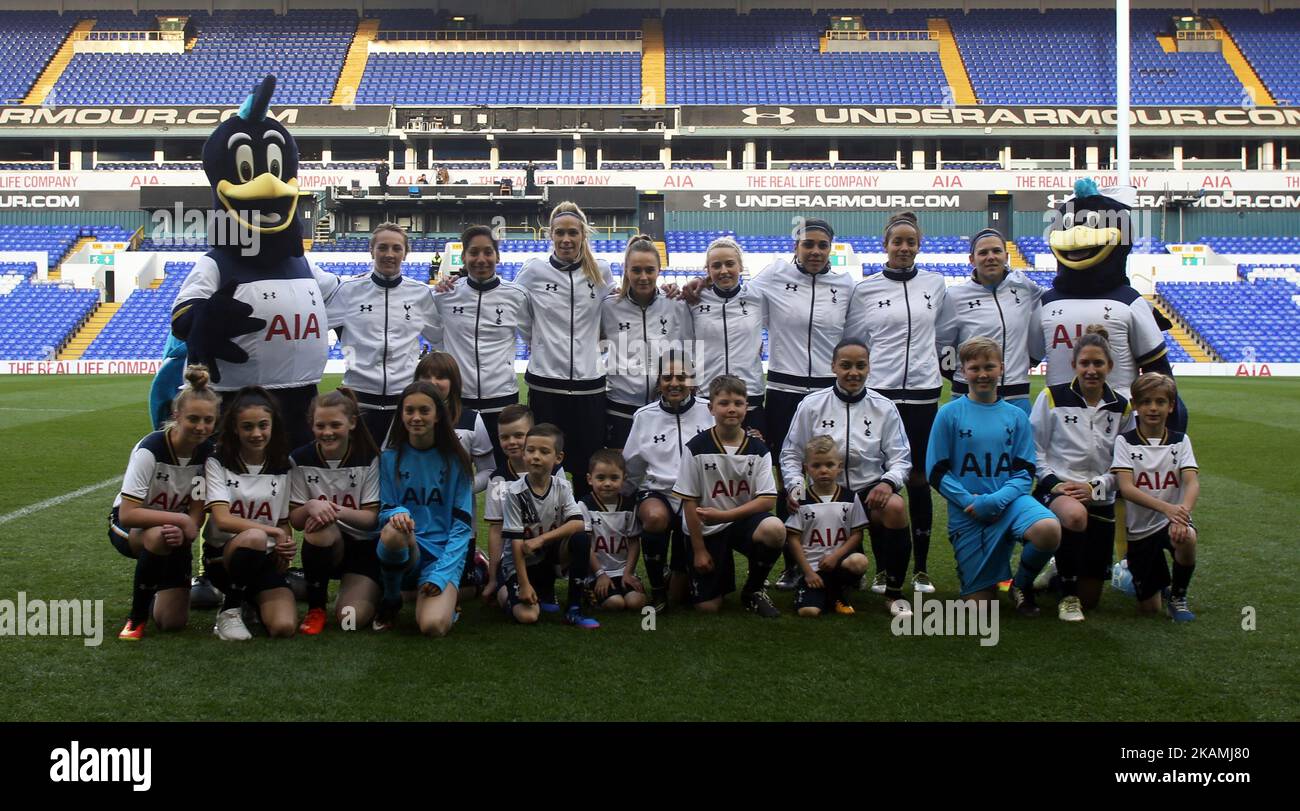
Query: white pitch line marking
(56,501)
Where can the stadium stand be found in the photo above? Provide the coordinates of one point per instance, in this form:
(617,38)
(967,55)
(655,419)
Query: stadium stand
(31,38)
(1249,245)
(1067,57)
(773,57)
(1269,52)
(234,50)
(141,166)
(37,317)
(139,328)
(1242,321)
(55,240)
(852,166)
(502,78)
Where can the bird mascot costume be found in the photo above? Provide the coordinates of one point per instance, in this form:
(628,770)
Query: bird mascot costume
(253,308)
(1091,240)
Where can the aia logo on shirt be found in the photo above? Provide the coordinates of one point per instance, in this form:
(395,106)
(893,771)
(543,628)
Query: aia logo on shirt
(731,488)
(614,545)
(252,510)
(1156,481)
(301,330)
(169,502)
(345,500)
(1061,334)
(987,467)
(828,537)
(424,498)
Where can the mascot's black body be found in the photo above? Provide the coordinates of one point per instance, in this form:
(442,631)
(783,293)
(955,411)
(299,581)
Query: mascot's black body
(1091,246)
(253,308)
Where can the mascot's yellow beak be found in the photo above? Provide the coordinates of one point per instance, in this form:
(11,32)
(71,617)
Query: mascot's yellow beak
(1081,247)
(266,187)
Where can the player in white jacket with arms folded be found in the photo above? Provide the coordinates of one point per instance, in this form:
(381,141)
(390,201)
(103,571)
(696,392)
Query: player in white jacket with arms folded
(725,328)
(869,433)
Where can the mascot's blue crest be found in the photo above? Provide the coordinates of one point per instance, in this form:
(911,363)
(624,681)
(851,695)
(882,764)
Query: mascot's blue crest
(1086,187)
(255,106)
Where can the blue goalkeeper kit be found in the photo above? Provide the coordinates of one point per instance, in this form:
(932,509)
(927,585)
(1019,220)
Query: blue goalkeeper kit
(438,495)
(982,455)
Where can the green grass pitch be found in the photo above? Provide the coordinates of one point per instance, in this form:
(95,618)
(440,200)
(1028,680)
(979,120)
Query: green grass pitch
(59,435)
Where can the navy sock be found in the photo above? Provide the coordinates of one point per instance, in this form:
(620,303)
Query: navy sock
(392,565)
(1032,561)
(579,567)
(316,567)
(215,570)
(761,561)
(654,548)
(840,583)
(246,568)
(920,512)
(896,544)
(1182,577)
(787,557)
(246,564)
(1069,560)
(148,570)
(878,554)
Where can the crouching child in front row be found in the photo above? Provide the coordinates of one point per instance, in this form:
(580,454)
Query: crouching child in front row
(825,534)
(426,492)
(981,459)
(727,492)
(615,535)
(542,528)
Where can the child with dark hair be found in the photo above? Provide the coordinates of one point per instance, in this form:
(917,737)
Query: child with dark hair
(543,527)
(334,498)
(614,533)
(426,490)
(248,543)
